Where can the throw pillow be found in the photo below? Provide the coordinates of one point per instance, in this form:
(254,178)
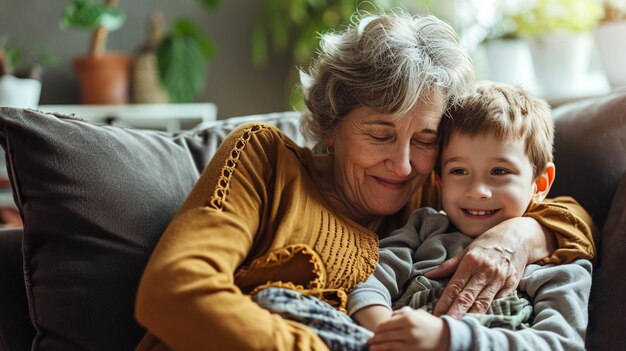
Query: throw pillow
(94,200)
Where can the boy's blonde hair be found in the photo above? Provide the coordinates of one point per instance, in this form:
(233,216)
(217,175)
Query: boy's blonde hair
(506,112)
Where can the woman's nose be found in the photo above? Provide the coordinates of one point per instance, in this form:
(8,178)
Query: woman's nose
(399,162)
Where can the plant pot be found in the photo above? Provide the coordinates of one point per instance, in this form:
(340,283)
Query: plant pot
(561,61)
(19,92)
(612,54)
(509,61)
(103,79)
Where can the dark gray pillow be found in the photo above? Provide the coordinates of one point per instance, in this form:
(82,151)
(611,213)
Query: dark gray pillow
(94,200)
(590,151)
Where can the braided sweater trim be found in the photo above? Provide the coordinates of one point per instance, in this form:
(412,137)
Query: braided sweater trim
(223,184)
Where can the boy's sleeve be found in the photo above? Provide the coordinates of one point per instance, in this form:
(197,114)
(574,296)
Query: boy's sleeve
(560,295)
(397,260)
(369,293)
(393,270)
(573,227)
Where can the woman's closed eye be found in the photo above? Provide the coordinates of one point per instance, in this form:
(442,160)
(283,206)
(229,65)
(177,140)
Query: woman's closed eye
(381,138)
(425,143)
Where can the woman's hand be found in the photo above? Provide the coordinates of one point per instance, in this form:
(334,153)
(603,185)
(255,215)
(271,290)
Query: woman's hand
(491,266)
(410,329)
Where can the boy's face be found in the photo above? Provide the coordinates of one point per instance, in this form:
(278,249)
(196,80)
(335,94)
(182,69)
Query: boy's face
(484,181)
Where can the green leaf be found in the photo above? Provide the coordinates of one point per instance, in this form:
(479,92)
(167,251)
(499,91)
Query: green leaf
(87,15)
(553,15)
(187,28)
(183,58)
(211,4)
(347,8)
(259,46)
(295,24)
(298,11)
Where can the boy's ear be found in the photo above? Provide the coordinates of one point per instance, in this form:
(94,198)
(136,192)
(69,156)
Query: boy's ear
(543,183)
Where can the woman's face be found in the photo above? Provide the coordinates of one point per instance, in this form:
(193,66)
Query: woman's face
(380,160)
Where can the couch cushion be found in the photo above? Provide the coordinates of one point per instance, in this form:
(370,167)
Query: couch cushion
(607,308)
(16,330)
(94,200)
(590,151)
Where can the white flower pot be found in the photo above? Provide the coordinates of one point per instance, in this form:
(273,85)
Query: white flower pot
(611,42)
(561,61)
(19,92)
(509,61)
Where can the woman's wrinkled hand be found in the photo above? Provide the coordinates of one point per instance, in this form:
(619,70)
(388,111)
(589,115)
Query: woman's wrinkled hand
(409,329)
(490,267)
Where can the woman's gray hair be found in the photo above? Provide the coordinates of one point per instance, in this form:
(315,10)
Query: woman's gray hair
(384,61)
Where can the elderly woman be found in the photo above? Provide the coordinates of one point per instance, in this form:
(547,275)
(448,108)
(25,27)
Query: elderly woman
(267,212)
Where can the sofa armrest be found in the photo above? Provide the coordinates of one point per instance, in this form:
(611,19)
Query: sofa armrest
(607,314)
(16,329)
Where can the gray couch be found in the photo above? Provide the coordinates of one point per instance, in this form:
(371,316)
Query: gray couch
(94,200)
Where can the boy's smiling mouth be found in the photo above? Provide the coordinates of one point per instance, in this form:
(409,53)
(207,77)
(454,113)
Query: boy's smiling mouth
(479,213)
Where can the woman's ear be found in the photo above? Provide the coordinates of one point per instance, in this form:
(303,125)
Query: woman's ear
(543,183)
(438,181)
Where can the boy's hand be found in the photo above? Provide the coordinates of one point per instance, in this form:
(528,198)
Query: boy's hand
(410,329)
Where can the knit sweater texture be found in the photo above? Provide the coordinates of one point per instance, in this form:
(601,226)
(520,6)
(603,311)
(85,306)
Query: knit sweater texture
(258,216)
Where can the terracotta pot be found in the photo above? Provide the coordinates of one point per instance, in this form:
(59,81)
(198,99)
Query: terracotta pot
(103,79)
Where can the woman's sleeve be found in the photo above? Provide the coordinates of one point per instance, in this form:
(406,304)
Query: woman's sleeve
(560,295)
(187,297)
(573,227)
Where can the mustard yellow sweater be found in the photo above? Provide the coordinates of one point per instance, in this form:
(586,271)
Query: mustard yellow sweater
(258,216)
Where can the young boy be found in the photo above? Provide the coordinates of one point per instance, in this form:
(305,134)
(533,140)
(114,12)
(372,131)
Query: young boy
(495,162)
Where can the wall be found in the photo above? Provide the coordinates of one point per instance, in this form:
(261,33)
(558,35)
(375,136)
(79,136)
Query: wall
(233,83)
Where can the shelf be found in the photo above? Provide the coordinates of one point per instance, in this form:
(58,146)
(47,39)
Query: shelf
(169,117)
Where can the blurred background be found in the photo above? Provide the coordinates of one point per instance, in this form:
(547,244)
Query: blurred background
(243,55)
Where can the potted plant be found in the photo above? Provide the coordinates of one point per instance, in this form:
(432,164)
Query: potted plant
(20,75)
(507,54)
(102,75)
(293,27)
(182,57)
(610,32)
(559,33)
(172,65)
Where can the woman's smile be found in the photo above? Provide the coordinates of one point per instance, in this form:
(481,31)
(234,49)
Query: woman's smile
(391,184)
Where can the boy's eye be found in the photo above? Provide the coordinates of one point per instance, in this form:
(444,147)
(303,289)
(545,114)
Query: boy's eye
(458,171)
(499,171)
